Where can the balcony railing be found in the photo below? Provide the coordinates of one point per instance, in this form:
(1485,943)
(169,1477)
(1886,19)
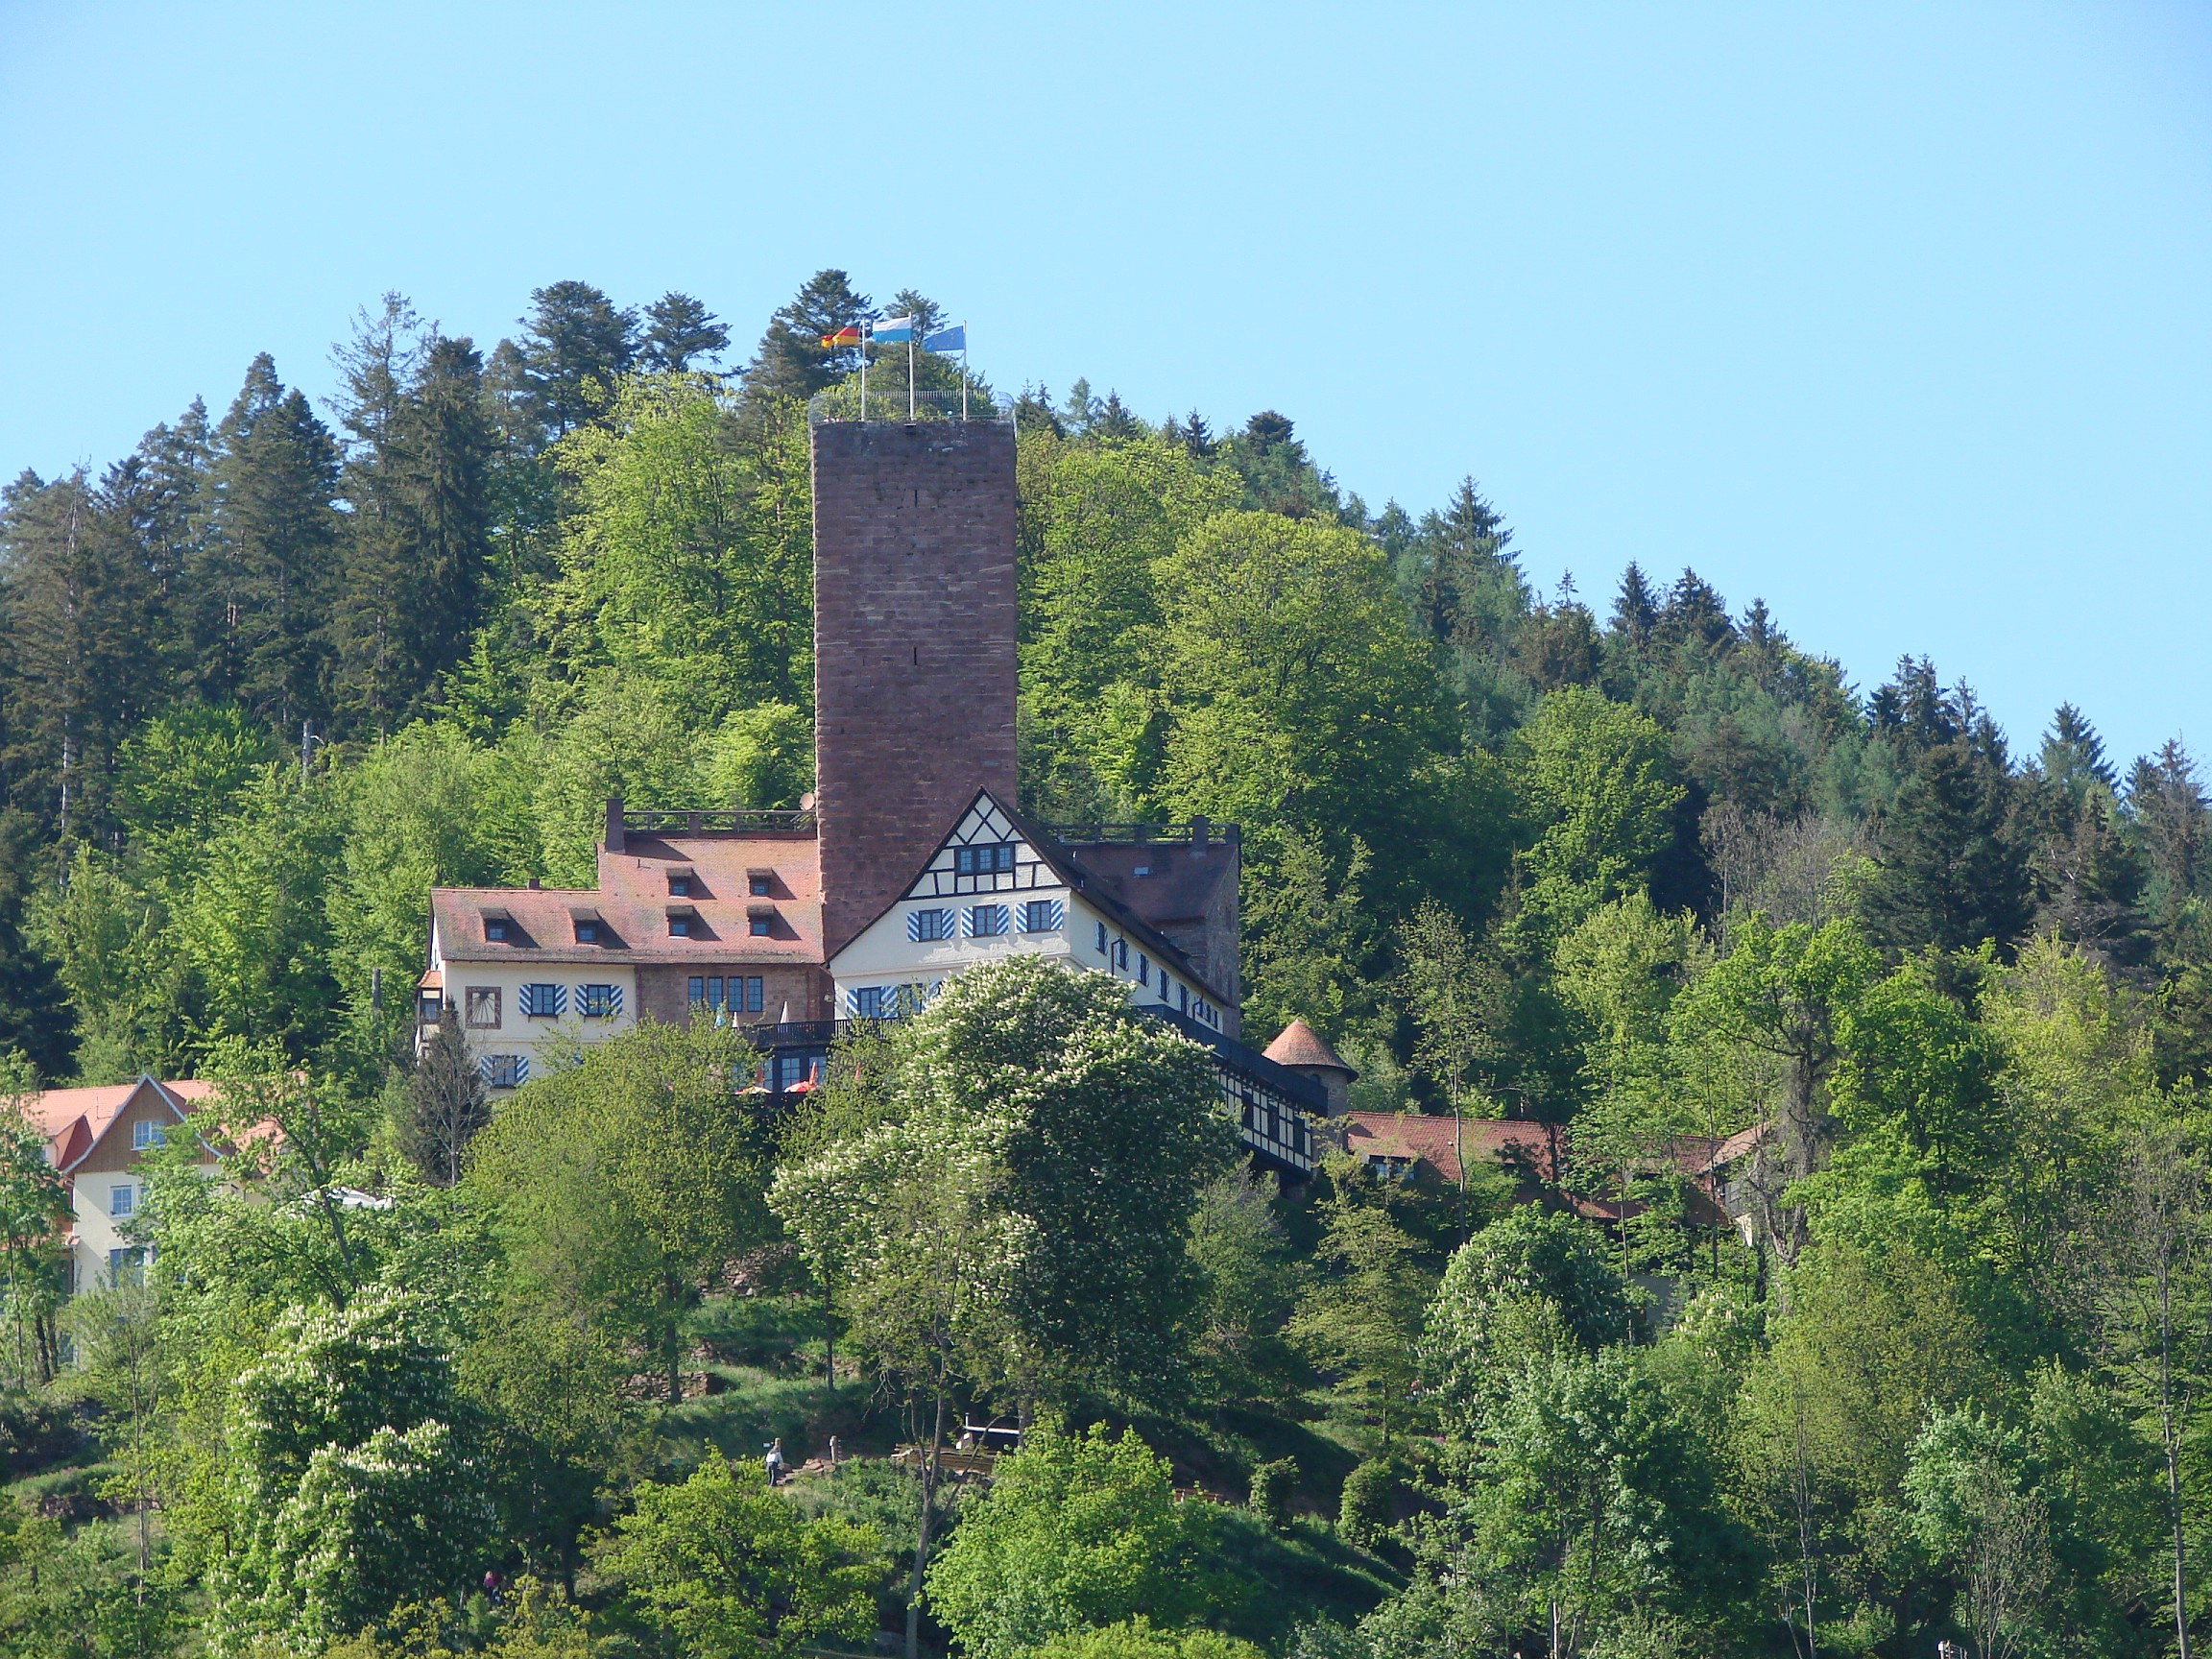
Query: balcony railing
(890,407)
(719,821)
(1197,833)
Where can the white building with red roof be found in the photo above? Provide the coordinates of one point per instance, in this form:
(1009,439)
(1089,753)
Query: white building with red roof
(97,1138)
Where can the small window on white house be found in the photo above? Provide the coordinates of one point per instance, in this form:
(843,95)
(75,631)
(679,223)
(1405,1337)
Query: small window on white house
(495,928)
(923,926)
(1101,937)
(1144,969)
(1122,954)
(1042,915)
(543,1002)
(1185,993)
(867,1001)
(146,1136)
(986,921)
(599,1002)
(504,1070)
(121,1200)
(986,860)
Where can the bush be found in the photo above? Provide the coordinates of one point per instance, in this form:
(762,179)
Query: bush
(1364,1510)
(1136,1639)
(1272,1485)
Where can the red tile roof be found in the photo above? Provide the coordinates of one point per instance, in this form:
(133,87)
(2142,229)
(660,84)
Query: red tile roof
(73,1120)
(633,904)
(1534,1147)
(1298,1043)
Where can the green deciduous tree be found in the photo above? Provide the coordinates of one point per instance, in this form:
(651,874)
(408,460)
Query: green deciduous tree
(722,1568)
(1078,1530)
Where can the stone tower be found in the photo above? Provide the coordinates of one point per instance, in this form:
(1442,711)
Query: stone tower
(914,671)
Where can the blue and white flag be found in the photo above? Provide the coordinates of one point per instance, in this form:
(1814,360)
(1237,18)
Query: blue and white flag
(948,340)
(891,330)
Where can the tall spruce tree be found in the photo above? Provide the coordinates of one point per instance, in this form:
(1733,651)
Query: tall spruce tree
(83,625)
(2168,806)
(266,562)
(420,483)
(1635,610)
(791,360)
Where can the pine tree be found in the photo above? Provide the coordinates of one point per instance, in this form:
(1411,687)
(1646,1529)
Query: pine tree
(2073,755)
(679,331)
(575,347)
(791,360)
(445,1104)
(1694,614)
(264,568)
(35,1016)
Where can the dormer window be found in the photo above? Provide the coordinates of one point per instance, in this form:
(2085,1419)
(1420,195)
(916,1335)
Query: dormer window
(587,932)
(680,886)
(680,926)
(497,925)
(760,883)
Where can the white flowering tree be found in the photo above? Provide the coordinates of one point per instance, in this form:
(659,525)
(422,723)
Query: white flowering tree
(348,1487)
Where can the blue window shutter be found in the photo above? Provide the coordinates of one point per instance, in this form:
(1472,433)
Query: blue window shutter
(484,1067)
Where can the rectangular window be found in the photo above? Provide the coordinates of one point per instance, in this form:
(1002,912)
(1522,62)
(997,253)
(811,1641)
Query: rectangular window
(679,886)
(543,1002)
(1122,954)
(758,884)
(927,924)
(495,928)
(1202,1011)
(121,1200)
(986,921)
(145,1136)
(1144,969)
(504,1070)
(989,859)
(587,932)
(1101,926)
(753,994)
(599,1002)
(127,1266)
(760,927)
(867,1003)
(1042,915)
(428,1006)
(483,1007)
(1185,993)
(680,926)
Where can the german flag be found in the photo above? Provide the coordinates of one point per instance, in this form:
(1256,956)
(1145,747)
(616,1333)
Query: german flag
(849,335)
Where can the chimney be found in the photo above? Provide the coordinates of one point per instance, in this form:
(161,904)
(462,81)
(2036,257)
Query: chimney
(614,841)
(1201,830)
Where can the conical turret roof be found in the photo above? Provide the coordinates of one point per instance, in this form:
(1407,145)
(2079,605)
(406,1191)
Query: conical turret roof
(1300,1045)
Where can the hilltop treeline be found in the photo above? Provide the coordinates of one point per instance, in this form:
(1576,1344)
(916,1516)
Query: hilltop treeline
(1641,867)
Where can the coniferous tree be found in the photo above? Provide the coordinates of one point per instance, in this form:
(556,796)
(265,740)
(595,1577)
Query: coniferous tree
(77,609)
(36,1020)
(2167,806)
(445,1104)
(679,331)
(2073,755)
(422,485)
(265,564)
(575,347)
(791,360)
(1951,871)
(1635,612)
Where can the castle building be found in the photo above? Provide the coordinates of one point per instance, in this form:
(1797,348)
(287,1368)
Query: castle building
(910,863)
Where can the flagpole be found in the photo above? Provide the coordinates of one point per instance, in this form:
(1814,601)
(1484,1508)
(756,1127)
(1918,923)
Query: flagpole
(909,366)
(963,370)
(863,374)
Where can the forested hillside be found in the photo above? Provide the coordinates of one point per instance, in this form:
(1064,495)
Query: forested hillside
(1640,867)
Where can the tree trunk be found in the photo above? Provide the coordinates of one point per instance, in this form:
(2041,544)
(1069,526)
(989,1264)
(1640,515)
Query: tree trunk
(675,1340)
(922,1531)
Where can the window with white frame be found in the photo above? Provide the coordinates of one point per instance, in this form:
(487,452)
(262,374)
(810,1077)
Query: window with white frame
(986,921)
(145,1136)
(924,925)
(1121,954)
(122,1199)
(1042,915)
(599,1002)
(544,1001)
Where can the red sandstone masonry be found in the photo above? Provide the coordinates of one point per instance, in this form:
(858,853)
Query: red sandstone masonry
(914,671)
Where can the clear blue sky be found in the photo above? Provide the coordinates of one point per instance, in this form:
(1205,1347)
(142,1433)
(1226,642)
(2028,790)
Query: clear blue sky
(1898,316)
